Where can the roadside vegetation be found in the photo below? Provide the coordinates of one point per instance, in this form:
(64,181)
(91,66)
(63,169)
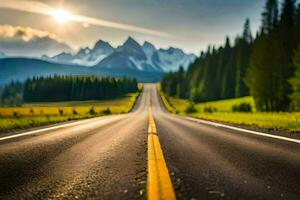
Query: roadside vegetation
(223,111)
(47,100)
(37,114)
(265,66)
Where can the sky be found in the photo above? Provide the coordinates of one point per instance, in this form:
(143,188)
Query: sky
(188,24)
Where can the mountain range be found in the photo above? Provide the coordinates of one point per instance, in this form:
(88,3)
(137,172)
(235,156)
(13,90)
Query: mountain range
(85,56)
(131,55)
(144,62)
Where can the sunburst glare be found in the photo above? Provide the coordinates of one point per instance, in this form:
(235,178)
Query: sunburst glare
(61,16)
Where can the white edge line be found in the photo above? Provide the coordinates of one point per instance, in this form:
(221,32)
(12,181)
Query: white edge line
(38,131)
(242,130)
(49,128)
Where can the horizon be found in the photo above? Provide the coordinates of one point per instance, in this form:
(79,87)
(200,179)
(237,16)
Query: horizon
(74,51)
(91,46)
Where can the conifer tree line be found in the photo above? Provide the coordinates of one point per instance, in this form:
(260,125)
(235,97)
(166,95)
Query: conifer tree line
(216,74)
(68,88)
(266,66)
(76,88)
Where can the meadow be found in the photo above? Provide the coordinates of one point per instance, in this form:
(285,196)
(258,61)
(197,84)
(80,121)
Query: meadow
(221,111)
(38,114)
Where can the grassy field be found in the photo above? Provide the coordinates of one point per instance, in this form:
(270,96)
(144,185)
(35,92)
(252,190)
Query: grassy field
(222,112)
(38,114)
(219,106)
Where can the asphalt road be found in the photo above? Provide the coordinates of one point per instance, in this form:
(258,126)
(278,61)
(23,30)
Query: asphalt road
(106,158)
(100,158)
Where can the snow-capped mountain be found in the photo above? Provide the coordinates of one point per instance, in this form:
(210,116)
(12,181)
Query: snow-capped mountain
(85,56)
(129,56)
(149,48)
(171,59)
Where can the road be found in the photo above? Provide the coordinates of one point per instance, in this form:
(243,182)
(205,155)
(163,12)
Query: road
(106,158)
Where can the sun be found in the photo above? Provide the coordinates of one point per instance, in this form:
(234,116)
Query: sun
(61,16)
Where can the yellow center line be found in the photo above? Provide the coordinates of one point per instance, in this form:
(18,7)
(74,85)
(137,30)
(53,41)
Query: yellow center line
(159,186)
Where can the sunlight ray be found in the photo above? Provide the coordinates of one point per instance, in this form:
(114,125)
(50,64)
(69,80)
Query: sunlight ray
(45,9)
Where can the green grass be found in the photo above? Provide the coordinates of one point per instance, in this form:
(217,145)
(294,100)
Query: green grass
(287,121)
(168,106)
(220,106)
(271,120)
(30,121)
(38,114)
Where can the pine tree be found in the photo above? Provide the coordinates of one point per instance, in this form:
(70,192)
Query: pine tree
(244,46)
(286,44)
(297,24)
(260,74)
(270,16)
(271,61)
(247,35)
(180,88)
(295,82)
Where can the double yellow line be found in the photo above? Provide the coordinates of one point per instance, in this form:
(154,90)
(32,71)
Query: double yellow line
(159,182)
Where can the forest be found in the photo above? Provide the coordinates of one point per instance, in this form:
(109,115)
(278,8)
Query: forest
(67,88)
(265,66)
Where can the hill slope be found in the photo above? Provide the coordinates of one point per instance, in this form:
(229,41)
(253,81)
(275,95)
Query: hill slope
(22,68)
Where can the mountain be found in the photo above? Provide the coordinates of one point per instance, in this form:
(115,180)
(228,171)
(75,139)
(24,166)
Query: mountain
(93,56)
(149,48)
(171,59)
(22,68)
(62,57)
(129,56)
(144,62)
(146,58)
(85,56)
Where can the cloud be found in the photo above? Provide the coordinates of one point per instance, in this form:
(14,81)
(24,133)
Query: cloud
(25,33)
(26,41)
(44,9)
